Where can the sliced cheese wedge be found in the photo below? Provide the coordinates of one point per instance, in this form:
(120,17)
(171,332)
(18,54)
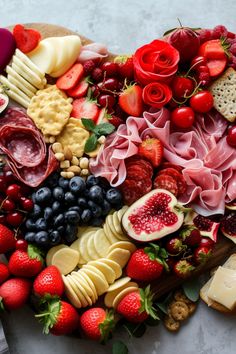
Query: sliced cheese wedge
(66,260)
(44,56)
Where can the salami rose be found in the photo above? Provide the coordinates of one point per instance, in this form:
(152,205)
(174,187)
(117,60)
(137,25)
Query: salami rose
(157,61)
(156,94)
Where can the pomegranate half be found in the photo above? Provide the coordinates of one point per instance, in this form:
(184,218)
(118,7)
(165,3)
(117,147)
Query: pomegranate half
(153,216)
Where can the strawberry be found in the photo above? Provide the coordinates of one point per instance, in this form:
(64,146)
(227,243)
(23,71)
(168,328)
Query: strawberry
(97,324)
(216,67)
(190,235)
(7,240)
(146,264)
(80,90)
(152,150)
(202,254)
(26,39)
(183,268)
(85,108)
(14,293)
(130,100)
(26,263)
(49,281)
(59,317)
(70,79)
(116,121)
(137,306)
(174,246)
(126,66)
(4,272)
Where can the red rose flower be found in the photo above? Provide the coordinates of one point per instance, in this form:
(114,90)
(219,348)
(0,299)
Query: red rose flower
(157,94)
(157,61)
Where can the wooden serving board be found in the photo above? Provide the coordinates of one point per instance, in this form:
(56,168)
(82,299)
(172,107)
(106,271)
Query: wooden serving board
(224,247)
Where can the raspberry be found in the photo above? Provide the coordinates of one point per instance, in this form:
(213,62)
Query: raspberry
(232,63)
(233,49)
(88,67)
(97,74)
(219,31)
(205,35)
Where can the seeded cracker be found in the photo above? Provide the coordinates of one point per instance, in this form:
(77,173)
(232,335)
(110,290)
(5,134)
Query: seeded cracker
(224,93)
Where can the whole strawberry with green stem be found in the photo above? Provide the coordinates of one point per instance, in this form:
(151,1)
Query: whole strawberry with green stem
(58,317)
(97,324)
(137,306)
(190,235)
(26,263)
(147,264)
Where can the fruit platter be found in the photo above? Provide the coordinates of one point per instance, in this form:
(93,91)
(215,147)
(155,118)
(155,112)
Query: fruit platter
(117,179)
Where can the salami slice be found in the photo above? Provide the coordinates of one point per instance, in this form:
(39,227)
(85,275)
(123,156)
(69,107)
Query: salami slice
(17,117)
(182,186)
(139,161)
(171,165)
(166,182)
(137,172)
(132,189)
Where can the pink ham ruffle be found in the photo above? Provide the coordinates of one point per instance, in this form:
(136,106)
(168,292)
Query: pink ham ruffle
(92,51)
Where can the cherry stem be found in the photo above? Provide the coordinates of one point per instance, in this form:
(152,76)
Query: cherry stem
(180,22)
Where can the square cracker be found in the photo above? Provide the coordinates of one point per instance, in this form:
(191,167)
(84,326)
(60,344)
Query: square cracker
(224,93)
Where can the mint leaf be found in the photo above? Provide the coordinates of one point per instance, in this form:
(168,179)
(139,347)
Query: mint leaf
(91,143)
(88,124)
(136,330)
(191,289)
(119,348)
(104,129)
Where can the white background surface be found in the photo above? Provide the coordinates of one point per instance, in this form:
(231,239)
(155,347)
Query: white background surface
(123,26)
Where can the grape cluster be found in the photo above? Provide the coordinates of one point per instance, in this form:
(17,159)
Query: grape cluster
(61,205)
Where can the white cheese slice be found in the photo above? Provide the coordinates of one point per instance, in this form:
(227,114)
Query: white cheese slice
(13,73)
(44,56)
(223,287)
(29,63)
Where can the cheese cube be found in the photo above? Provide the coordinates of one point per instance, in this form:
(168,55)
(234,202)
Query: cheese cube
(223,287)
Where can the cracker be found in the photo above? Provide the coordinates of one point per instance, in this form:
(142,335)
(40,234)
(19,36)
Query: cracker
(179,310)
(171,324)
(224,93)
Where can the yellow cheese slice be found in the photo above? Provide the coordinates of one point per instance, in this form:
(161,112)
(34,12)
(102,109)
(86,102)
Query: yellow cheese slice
(77,275)
(51,253)
(70,293)
(106,270)
(120,256)
(90,283)
(114,265)
(44,56)
(101,243)
(118,284)
(66,260)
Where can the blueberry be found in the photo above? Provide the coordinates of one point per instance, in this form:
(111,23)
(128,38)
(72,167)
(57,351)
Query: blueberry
(54,237)
(41,238)
(30,236)
(114,196)
(61,230)
(52,181)
(33,197)
(95,194)
(58,193)
(43,195)
(30,225)
(91,181)
(47,213)
(106,207)
(86,215)
(96,222)
(95,209)
(82,202)
(72,217)
(56,207)
(63,183)
(41,224)
(71,233)
(86,193)
(103,183)
(58,220)
(70,198)
(75,208)
(36,211)
(77,185)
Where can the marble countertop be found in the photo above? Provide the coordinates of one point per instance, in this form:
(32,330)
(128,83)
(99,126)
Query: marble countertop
(123,26)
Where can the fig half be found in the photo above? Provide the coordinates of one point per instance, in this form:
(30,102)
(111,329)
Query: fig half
(153,216)
(228,226)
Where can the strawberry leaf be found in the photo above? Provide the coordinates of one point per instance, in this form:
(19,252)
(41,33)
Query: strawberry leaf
(91,143)
(104,129)
(50,314)
(88,124)
(35,253)
(192,289)
(119,347)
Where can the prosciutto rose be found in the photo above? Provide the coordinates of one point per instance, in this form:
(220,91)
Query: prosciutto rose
(157,61)
(156,94)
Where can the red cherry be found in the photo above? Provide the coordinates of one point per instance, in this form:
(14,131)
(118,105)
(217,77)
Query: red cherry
(197,62)
(110,84)
(14,219)
(26,203)
(106,100)
(110,69)
(202,101)
(8,205)
(9,177)
(3,184)
(183,117)
(231,137)
(21,245)
(95,91)
(2,219)
(14,191)
(182,87)
(207,242)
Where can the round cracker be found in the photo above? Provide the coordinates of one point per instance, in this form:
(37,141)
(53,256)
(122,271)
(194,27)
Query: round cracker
(90,283)
(85,285)
(109,297)
(119,256)
(112,239)
(99,283)
(121,212)
(122,294)
(80,286)
(118,284)
(114,265)
(106,270)
(94,269)
(51,253)
(101,243)
(66,259)
(92,252)
(71,294)
(126,245)
(77,291)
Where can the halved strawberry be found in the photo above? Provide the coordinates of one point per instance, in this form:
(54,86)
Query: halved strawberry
(152,150)
(216,67)
(214,49)
(70,79)
(27,39)
(80,90)
(85,108)
(130,100)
